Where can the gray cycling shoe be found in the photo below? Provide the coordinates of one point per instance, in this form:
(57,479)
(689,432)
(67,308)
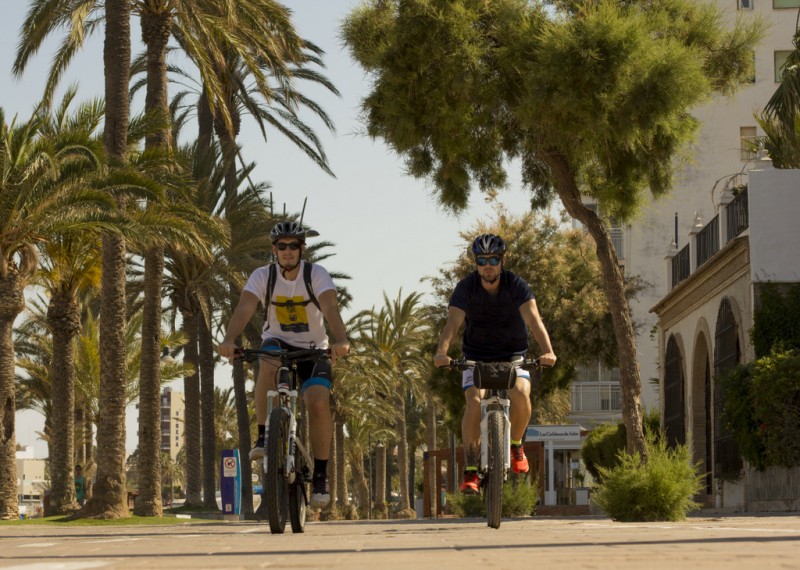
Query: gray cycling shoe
(257,453)
(320,494)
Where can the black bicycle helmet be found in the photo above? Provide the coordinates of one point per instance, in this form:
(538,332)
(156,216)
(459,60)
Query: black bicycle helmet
(290,230)
(488,244)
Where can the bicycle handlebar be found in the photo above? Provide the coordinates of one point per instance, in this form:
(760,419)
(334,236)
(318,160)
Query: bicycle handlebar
(464,364)
(285,355)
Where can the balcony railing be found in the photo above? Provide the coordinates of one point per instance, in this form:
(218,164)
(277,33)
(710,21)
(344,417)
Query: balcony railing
(736,217)
(708,241)
(681,266)
(596,397)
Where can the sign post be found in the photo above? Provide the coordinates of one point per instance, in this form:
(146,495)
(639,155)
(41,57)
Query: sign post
(231,484)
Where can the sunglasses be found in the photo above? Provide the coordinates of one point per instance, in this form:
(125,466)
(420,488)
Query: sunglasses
(493,261)
(294,246)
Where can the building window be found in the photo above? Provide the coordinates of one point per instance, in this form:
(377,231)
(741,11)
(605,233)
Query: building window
(744,4)
(747,138)
(780,61)
(785,3)
(674,395)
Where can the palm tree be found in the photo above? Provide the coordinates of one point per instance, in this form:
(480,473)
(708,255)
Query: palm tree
(393,340)
(42,195)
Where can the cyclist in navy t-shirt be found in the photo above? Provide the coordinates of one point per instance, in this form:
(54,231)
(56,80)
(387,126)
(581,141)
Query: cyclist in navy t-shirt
(497,308)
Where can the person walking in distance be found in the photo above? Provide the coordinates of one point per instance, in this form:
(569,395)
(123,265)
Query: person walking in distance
(298,298)
(497,308)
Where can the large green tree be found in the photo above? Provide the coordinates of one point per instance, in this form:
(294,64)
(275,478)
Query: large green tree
(592,96)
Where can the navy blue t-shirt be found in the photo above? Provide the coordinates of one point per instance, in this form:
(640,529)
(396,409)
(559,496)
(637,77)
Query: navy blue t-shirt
(494,328)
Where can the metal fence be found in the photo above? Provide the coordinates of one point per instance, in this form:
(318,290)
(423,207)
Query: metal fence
(681,266)
(737,219)
(596,397)
(708,241)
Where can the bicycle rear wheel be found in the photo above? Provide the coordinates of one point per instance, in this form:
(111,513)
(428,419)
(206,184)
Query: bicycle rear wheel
(494,480)
(276,489)
(298,491)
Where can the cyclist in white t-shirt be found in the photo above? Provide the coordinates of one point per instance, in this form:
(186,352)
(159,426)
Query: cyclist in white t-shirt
(294,321)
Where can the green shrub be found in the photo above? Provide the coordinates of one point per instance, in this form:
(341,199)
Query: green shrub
(761,405)
(602,447)
(659,490)
(519,500)
(606,441)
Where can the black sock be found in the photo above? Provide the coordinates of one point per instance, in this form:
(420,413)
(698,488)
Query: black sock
(320,466)
(262,430)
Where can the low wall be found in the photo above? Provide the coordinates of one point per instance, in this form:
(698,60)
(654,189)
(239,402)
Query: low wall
(775,489)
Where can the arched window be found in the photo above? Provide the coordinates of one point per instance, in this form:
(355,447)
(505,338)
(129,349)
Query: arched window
(674,395)
(727,353)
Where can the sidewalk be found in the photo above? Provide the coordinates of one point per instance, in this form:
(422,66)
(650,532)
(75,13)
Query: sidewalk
(543,543)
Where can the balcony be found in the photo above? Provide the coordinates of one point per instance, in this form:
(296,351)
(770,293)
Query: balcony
(596,397)
(706,240)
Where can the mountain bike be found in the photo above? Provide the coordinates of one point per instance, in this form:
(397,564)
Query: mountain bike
(287,462)
(494,379)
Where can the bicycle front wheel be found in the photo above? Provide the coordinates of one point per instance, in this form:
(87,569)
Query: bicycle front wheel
(298,497)
(276,490)
(495,476)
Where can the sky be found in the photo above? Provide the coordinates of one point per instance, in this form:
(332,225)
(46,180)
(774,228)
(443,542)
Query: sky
(389,233)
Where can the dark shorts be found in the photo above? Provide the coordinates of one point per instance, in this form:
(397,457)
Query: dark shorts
(309,373)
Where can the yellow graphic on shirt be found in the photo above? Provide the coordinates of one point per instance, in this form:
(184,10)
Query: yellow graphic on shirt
(291,313)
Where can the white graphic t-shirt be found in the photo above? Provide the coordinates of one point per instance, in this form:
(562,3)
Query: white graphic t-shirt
(292,322)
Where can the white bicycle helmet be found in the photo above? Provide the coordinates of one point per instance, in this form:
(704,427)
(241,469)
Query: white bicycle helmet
(290,230)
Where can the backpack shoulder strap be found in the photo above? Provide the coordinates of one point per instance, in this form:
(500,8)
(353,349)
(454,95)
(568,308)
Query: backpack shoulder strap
(309,287)
(273,276)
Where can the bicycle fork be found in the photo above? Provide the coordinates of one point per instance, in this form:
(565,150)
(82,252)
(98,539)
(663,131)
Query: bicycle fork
(287,399)
(492,403)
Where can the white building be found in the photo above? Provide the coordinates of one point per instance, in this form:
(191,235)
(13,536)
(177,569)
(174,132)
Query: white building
(31,482)
(719,161)
(173,416)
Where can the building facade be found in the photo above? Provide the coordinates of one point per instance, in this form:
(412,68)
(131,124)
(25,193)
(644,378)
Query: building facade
(719,161)
(704,325)
(173,415)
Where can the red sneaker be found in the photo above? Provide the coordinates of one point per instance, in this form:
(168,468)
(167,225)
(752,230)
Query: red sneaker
(471,483)
(519,463)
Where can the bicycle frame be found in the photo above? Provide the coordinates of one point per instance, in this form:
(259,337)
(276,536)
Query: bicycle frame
(492,400)
(286,397)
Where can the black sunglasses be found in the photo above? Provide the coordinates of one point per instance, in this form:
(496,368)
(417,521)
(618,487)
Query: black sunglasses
(294,246)
(493,261)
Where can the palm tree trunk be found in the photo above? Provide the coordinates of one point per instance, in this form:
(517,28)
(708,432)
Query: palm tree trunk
(63,319)
(380,511)
(156,24)
(191,428)
(206,359)
(433,484)
(333,477)
(402,454)
(614,286)
(359,479)
(11,304)
(148,503)
(110,496)
(243,426)
(341,463)
(89,466)
(80,435)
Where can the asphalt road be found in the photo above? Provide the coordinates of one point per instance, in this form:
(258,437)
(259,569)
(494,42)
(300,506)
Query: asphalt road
(730,542)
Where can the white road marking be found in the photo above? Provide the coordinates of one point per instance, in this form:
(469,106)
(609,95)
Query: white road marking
(36,545)
(59,565)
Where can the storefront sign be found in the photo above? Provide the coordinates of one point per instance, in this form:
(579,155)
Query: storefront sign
(553,433)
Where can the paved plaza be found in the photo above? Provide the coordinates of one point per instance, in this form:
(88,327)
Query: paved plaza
(730,542)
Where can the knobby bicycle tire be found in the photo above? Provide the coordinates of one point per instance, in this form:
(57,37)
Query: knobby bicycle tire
(276,489)
(298,496)
(494,481)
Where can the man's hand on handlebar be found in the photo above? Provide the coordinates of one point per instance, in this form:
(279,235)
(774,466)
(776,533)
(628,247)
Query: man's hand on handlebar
(339,350)
(227,350)
(547,359)
(441,360)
